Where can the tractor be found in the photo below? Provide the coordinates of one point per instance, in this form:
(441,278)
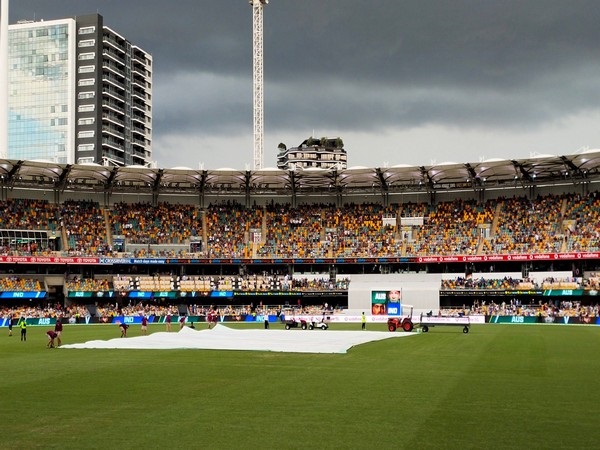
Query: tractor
(404,322)
(400,322)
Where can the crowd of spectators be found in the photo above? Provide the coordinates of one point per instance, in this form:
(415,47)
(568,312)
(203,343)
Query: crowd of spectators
(544,224)
(106,312)
(84,227)
(72,313)
(452,228)
(582,217)
(200,283)
(164,223)
(592,281)
(26,214)
(13,283)
(529,226)
(516,283)
(109,310)
(323,230)
(515,308)
(230,230)
(77,283)
(482,283)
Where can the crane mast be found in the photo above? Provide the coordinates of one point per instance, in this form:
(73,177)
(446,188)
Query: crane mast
(258,82)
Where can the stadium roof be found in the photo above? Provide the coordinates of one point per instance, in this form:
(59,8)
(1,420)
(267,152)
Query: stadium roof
(581,167)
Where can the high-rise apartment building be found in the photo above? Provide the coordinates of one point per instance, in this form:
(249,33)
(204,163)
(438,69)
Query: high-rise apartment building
(78,92)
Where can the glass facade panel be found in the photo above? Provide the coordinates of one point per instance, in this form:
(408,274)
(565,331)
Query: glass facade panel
(38,119)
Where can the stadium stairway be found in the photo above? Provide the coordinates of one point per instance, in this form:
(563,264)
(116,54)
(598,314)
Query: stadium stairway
(563,211)
(480,245)
(109,236)
(493,228)
(204,230)
(63,238)
(496,219)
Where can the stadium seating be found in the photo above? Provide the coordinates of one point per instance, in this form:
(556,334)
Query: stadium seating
(13,283)
(517,225)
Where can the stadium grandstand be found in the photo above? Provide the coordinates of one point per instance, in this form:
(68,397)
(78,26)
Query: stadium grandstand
(498,236)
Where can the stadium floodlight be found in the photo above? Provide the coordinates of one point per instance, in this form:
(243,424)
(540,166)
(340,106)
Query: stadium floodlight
(258,83)
(3,78)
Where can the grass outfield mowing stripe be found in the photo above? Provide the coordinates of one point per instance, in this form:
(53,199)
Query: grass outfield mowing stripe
(499,386)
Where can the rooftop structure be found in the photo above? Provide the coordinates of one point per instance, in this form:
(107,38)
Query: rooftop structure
(324,153)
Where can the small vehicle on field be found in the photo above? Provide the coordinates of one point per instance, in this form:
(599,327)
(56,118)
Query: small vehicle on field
(404,322)
(323,325)
(293,323)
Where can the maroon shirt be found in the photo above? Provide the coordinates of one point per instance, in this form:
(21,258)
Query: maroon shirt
(58,326)
(51,334)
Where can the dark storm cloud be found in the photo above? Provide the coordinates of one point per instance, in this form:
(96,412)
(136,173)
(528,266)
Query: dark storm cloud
(357,64)
(193,100)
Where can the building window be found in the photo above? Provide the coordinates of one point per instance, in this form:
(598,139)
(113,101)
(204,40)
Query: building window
(87,30)
(87,43)
(86,69)
(87,82)
(85,147)
(86,56)
(84,95)
(85,134)
(86,108)
(86,121)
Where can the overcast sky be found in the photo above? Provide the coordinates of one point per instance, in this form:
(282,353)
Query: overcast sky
(401,82)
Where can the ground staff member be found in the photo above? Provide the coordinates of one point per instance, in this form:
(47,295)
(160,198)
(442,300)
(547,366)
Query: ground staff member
(58,328)
(23,326)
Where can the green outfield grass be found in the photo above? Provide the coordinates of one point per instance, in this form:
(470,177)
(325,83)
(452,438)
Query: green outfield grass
(499,386)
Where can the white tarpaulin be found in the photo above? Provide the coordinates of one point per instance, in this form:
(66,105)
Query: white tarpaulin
(223,338)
